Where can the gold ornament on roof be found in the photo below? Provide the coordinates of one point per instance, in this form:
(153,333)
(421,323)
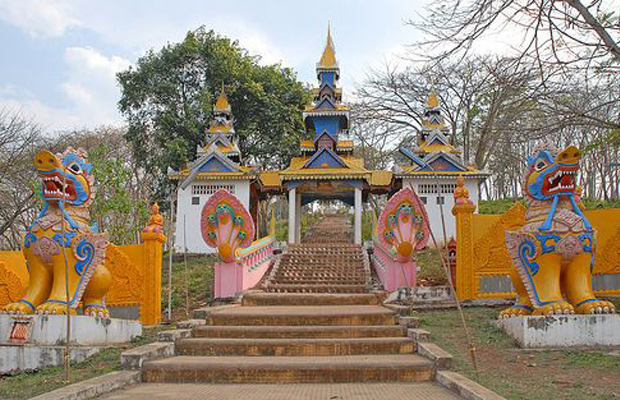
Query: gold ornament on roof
(432,101)
(222,104)
(328,59)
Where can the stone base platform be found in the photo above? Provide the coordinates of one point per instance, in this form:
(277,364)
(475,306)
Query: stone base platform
(32,342)
(50,330)
(563,331)
(15,359)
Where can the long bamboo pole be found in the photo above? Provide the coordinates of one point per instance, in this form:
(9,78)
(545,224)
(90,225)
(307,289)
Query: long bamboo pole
(67,358)
(472,348)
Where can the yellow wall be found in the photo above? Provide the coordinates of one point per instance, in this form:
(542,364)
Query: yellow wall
(136,270)
(481,250)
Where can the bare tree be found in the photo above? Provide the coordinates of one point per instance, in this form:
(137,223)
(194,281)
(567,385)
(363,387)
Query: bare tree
(19,141)
(553,32)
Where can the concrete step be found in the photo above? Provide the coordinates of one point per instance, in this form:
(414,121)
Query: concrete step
(293,347)
(299,331)
(305,299)
(324,288)
(373,368)
(304,315)
(317,282)
(308,391)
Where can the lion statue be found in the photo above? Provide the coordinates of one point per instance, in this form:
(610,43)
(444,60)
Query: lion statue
(553,253)
(64,253)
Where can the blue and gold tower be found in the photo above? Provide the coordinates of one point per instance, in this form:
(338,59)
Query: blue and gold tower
(326,168)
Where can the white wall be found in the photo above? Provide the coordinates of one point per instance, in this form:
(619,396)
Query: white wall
(192,213)
(433,209)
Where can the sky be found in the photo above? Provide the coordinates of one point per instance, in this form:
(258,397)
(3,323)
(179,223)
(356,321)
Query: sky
(59,57)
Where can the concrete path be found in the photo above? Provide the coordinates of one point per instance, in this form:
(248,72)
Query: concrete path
(353,391)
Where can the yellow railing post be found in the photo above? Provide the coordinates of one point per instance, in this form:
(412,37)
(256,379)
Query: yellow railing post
(463,211)
(153,238)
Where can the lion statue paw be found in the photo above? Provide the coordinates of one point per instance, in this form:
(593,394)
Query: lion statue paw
(557,308)
(596,306)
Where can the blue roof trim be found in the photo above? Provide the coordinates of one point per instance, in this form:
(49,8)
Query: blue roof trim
(325,132)
(454,165)
(213,164)
(412,156)
(322,103)
(325,156)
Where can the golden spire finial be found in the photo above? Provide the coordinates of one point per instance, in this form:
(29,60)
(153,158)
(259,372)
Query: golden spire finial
(328,59)
(432,101)
(222,105)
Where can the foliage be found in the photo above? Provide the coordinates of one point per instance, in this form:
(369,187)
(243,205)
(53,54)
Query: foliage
(168,96)
(113,205)
(368,224)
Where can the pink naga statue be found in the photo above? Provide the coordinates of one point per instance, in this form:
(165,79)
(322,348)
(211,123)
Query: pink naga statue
(227,226)
(402,229)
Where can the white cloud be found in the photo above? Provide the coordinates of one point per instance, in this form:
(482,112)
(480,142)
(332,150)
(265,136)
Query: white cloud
(91,92)
(40,18)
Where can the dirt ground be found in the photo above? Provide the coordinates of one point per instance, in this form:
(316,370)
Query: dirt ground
(523,374)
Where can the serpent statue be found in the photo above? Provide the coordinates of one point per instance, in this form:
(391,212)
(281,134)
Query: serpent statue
(65,263)
(553,253)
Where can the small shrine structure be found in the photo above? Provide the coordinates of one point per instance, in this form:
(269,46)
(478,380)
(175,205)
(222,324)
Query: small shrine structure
(218,165)
(432,169)
(326,168)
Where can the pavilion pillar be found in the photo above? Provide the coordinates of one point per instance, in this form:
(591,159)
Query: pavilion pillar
(292,207)
(357,226)
(298,219)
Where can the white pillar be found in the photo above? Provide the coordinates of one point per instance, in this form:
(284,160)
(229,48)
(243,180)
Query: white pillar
(357,228)
(292,207)
(298,220)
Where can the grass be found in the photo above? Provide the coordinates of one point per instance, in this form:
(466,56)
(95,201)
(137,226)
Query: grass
(29,384)
(521,374)
(190,289)
(431,271)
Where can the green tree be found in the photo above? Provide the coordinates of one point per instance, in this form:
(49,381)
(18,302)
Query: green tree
(167,100)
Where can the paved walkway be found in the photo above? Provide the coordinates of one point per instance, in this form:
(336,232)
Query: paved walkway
(353,391)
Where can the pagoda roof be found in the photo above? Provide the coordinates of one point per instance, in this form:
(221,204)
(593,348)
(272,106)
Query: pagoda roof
(343,145)
(413,172)
(223,144)
(212,165)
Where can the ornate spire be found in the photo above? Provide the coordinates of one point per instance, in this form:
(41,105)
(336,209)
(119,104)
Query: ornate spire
(432,118)
(328,59)
(222,105)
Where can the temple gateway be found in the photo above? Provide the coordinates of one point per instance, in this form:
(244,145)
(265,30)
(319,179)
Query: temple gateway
(326,168)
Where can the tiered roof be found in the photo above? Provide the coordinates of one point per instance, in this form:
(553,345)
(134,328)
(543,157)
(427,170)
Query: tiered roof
(220,157)
(435,154)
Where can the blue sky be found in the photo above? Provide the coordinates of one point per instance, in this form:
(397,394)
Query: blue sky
(59,57)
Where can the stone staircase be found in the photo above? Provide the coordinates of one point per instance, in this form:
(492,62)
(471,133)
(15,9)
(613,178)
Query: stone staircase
(320,268)
(325,262)
(280,338)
